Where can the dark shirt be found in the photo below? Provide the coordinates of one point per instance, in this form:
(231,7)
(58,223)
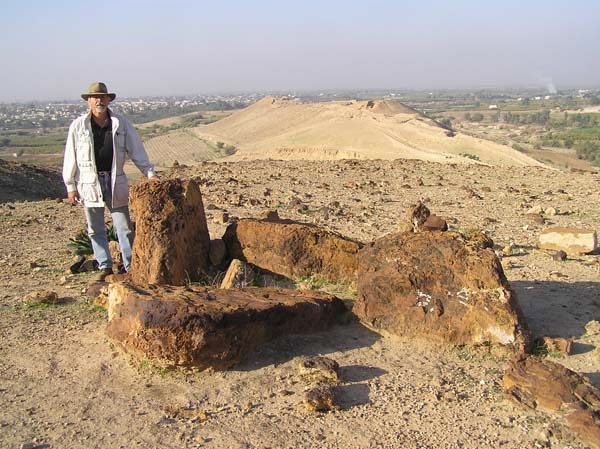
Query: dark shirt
(103,145)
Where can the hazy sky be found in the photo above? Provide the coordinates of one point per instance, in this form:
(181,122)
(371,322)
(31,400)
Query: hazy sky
(55,49)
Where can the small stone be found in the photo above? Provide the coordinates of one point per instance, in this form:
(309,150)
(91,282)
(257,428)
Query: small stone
(550,211)
(535,210)
(559,255)
(592,327)
(319,370)
(434,223)
(320,399)
(223,217)
(239,275)
(537,219)
(87,266)
(42,297)
(539,384)
(509,250)
(29,445)
(270,215)
(557,344)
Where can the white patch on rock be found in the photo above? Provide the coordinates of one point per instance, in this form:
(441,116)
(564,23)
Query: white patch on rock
(423,299)
(503,337)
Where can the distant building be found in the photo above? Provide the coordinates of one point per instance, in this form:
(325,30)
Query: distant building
(493,106)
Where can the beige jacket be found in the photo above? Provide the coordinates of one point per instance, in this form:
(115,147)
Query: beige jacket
(79,167)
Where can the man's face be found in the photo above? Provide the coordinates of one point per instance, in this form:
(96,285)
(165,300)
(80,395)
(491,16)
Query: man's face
(98,104)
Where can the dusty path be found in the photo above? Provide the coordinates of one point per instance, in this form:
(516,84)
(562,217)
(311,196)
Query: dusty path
(63,385)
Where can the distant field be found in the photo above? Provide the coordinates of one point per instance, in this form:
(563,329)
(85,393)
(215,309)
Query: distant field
(181,146)
(32,142)
(166,141)
(187,120)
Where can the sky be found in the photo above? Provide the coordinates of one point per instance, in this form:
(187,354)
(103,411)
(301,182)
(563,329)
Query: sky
(54,50)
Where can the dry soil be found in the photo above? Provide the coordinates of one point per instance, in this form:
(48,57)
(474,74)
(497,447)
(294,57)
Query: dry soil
(64,385)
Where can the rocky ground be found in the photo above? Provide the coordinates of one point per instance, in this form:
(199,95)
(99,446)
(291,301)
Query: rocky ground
(64,385)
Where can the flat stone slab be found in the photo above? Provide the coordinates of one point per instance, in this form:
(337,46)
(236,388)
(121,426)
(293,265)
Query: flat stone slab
(543,385)
(572,241)
(293,249)
(208,327)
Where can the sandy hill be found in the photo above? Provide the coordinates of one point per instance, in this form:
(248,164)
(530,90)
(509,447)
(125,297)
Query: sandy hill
(284,128)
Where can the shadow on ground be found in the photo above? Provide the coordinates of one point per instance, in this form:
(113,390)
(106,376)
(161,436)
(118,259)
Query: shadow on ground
(338,339)
(558,309)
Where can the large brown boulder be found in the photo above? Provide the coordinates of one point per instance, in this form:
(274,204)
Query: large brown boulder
(206,327)
(293,249)
(444,286)
(551,388)
(172,240)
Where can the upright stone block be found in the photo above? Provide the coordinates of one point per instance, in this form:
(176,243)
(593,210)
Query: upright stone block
(172,240)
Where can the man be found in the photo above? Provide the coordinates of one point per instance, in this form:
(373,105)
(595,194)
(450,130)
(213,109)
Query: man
(97,145)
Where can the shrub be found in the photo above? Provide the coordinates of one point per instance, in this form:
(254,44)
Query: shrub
(82,245)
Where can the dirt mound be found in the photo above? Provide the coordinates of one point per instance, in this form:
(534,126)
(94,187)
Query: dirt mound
(287,129)
(20,182)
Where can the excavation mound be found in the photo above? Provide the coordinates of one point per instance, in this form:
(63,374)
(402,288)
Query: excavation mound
(284,128)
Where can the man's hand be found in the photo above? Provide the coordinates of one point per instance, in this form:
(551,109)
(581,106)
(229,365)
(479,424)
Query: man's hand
(154,178)
(73,198)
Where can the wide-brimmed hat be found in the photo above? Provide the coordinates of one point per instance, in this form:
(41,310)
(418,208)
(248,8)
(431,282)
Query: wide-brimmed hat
(98,88)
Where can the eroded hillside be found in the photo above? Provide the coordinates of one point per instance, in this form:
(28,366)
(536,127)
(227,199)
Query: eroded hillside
(284,128)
